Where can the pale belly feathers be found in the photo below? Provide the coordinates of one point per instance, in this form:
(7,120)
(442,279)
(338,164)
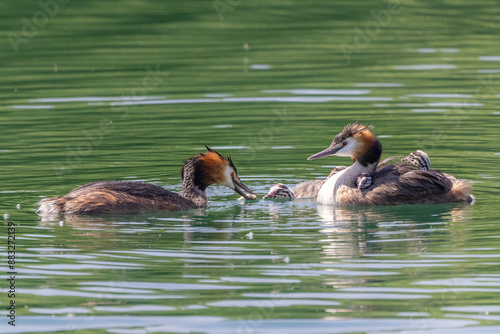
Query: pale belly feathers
(326,194)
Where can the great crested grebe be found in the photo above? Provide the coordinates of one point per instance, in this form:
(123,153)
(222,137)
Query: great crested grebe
(197,174)
(394,184)
(310,189)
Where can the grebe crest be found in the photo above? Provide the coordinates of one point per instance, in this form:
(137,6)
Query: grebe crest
(355,141)
(210,168)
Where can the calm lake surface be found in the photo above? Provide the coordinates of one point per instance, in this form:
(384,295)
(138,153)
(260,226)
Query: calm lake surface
(105,90)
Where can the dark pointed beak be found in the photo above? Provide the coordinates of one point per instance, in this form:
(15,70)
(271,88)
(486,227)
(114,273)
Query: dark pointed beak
(243,190)
(329,151)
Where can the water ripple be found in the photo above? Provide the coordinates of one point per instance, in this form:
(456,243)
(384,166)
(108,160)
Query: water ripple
(301,99)
(81,266)
(135,308)
(111,289)
(453,282)
(62,310)
(165,286)
(428,110)
(270,303)
(260,67)
(178,255)
(425,67)
(319,91)
(107,295)
(259,280)
(439,95)
(32,107)
(489,58)
(96,99)
(379,84)
(335,295)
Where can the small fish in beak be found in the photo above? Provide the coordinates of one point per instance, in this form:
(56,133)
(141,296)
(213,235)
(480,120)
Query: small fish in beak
(241,189)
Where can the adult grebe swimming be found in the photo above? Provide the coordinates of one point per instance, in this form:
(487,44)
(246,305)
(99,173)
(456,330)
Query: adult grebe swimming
(197,174)
(310,189)
(394,184)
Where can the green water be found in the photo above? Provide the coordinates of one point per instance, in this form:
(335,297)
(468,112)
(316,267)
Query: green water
(102,90)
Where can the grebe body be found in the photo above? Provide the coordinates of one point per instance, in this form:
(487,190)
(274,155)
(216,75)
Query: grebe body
(104,197)
(310,189)
(393,184)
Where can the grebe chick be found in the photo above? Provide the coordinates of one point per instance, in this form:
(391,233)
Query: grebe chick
(418,158)
(280,191)
(197,174)
(307,189)
(394,184)
(310,189)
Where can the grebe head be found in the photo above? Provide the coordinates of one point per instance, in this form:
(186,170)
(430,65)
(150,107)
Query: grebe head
(355,141)
(280,191)
(212,168)
(419,159)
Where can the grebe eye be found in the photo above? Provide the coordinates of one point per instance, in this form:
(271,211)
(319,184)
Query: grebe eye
(344,143)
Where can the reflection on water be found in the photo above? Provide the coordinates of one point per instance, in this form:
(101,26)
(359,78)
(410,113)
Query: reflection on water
(425,67)
(95,99)
(148,101)
(319,91)
(31,107)
(358,259)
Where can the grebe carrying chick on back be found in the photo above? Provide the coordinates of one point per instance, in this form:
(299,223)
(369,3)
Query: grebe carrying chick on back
(391,184)
(102,197)
(310,189)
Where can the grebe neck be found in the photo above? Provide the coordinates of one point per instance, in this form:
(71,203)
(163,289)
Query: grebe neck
(192,189)
(349,175)
(328,192)
(365,161)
